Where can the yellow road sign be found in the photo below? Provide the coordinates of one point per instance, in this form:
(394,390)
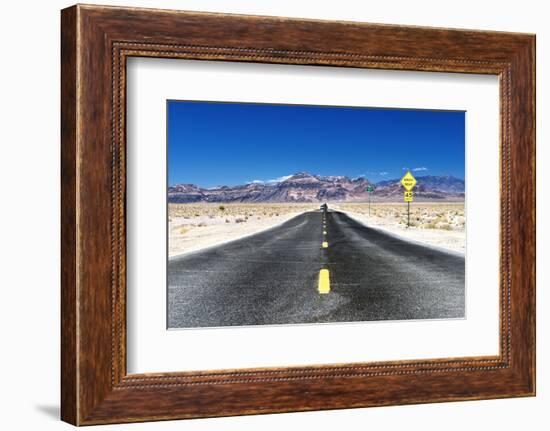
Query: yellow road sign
(408,196)
(408,181)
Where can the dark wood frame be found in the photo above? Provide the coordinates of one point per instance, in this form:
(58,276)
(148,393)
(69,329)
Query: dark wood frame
(95,43)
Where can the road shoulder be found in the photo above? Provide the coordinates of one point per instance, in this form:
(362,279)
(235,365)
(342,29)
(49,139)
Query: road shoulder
(446,241)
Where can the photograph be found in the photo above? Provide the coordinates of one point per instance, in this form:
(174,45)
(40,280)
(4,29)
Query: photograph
(284,214)
(303,214)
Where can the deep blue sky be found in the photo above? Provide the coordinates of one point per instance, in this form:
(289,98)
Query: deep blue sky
(211,144)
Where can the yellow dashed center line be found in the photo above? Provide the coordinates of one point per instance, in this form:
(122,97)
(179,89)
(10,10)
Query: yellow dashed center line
(324,282)
(324,277)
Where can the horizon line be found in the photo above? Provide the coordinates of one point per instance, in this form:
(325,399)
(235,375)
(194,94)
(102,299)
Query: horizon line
(285,177)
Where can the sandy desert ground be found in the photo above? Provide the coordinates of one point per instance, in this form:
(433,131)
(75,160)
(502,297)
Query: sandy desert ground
(196,226)
(437,224)
(193,227)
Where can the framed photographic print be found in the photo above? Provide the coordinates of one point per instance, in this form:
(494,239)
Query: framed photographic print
(268,215)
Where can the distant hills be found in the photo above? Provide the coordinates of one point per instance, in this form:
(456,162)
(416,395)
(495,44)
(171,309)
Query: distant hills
(306,187)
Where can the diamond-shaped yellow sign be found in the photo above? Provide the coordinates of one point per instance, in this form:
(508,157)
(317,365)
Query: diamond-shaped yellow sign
(408,181)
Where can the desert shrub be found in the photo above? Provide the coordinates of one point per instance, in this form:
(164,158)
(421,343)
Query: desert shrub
(184,229)
(430,225)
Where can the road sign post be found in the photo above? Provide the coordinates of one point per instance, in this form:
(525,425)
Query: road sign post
(408,182)
(369,190)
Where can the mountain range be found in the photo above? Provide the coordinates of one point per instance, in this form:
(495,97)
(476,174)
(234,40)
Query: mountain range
(306,187)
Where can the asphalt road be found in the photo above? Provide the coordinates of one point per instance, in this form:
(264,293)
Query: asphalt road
(273,278)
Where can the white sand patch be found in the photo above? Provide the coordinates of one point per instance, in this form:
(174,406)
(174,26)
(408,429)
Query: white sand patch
(439,225)
(193,227)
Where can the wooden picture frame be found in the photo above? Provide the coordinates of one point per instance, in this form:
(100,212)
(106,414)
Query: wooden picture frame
(95,43)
